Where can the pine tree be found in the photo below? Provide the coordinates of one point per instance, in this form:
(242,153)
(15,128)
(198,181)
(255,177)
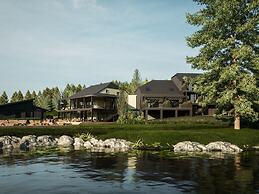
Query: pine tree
(79,88)
(135,82)
(227,40)
(4,98)
(19,96)
(34,95)
(56,98)
(122,104)
(28,95)
(14,97)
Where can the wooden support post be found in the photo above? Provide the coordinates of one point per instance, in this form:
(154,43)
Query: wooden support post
(146,114)
(191,112)
(176,113)
(161,114)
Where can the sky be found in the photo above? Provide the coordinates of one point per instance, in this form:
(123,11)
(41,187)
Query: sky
(54,42)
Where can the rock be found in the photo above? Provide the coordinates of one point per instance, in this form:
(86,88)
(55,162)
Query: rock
(223,147)
(46,140)
(78,142)
(6,142)
(188,146)
(116,144)
(256,147)
(88,145)
(65,141)
(28,141)
(31,141)
(94,142)
(16,141)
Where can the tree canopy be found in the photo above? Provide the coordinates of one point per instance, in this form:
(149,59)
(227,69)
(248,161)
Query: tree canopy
(3,98)
(227,39)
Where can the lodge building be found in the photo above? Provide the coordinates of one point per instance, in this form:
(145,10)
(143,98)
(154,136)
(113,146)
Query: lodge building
(95,103)
(24,110)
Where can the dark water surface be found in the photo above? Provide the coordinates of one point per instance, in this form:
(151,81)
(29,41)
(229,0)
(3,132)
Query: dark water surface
(135,172)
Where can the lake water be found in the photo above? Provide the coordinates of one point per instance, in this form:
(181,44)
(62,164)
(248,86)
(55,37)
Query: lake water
(134,172)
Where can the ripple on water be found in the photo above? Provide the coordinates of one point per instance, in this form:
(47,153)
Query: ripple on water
(141,172)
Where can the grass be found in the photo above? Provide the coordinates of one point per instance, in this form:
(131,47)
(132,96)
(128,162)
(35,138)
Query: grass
(171,131)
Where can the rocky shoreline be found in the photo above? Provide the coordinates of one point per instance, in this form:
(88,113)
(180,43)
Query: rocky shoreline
(31,141)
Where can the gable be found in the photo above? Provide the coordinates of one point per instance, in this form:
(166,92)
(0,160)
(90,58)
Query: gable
(160,88)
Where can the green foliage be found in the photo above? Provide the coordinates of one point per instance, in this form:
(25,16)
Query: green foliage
(122,104)
(131,87)
(138,144)
(56,98)
(167,103)
(4,98)
(168,132)
(228,54)
(135,82)
(130,118)
(14,97)
(19,96)
(28,95)
(85,137)
(69,90)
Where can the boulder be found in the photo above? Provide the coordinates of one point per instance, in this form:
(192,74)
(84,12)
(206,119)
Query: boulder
(94,142)
(46,140)
(28,141)
(116,143)
(6,142)
(223,147)
(88,145)
(65,141)
(188,146)
(16,141)
(78,142)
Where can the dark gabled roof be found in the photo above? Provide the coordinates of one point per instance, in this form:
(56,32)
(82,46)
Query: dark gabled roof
(94,90)
(180,76)
(30,101)
(160,88)
(20,105)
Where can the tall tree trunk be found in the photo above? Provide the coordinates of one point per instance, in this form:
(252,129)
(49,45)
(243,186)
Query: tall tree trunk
(237,121)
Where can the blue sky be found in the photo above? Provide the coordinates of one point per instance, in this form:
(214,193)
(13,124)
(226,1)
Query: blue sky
(55,42)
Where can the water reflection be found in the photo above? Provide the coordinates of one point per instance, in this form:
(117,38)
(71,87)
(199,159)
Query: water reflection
(69,171)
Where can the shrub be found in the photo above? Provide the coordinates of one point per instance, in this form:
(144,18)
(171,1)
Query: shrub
(131,118)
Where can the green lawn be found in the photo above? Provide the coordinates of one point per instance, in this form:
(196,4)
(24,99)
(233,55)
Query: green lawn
(200,129)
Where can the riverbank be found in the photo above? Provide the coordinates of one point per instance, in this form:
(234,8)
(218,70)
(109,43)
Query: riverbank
(163,133)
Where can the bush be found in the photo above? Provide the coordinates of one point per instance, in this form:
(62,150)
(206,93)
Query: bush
(130,118)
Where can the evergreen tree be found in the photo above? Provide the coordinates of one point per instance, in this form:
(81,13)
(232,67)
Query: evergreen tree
(227,40)
(14,97)
(4,98)
(34,95)
(122,104)
(56,98)
(28,95)
(19,96)
(79,88)
(135,82)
